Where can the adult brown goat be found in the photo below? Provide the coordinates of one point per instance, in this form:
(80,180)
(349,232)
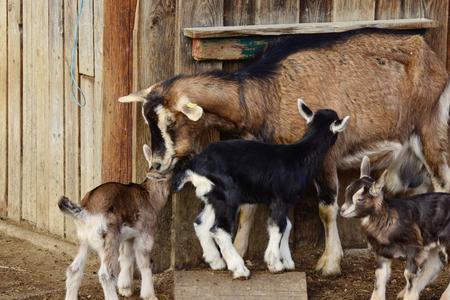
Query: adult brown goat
(391,84)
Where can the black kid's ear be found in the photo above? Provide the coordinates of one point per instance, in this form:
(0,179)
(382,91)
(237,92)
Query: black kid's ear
(305,111)
(340,125)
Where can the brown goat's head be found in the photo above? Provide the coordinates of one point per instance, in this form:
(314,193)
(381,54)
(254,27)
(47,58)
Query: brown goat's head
(365,195)
(175,119)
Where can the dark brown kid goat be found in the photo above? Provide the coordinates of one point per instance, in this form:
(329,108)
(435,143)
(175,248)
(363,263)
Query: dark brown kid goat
(416,228)
(392,84)
(113,216)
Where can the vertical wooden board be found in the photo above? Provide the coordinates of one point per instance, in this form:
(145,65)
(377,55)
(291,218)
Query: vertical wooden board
(185,205)
(153,46)
(98,89)
(312,11)
(71,116)
(239,12)
(413,8)
(117,118)
(86,38)
(3,107)
(56,116)
(30,69)
(41,98)
(90,170)
(353,10)
(388,9)
(437,37)
(14,109)
(276,12)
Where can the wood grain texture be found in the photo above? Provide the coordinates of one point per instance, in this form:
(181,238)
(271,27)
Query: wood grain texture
(262,286)
(55,155)
(352,10)
(3,107)
(238,12)
(153,46)
(437,37)
(71,118)
(117,118)
(303,28)
(30,74)
(229,49)
(388,9)
(185,206)
(414,8)
(40,12)
(14,110)
(86,38)
(276,12)
(90,138)
(315,11)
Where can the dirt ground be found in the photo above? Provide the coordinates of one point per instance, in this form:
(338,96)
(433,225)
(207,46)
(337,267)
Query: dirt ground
(28,272)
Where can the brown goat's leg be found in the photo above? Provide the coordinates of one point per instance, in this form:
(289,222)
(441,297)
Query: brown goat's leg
(246,219)
(327,189)
(106,277)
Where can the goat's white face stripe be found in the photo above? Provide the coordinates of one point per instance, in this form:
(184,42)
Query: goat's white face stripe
(163,118)
(349,210)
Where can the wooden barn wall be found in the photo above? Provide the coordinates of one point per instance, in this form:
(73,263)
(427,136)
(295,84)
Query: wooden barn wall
(159,29)
(49,146)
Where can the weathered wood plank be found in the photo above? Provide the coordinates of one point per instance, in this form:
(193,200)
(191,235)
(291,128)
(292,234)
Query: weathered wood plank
(388,9)
(413,8)
(90,176)
(239,12)
(55,153)
(228,49)
(261,286)
(3,107)
(86,38)
(71,120)
(153,46)
(117,119)
(185,205)
(30,69)
(303,28)
(352,10)
(315,11)
(41,97)
(276,12)
(14,110)
(437,37)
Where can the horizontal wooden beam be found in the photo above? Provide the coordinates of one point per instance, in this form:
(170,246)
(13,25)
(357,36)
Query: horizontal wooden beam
(305,28)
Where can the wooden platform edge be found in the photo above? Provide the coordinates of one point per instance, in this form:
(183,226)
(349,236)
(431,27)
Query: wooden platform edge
(38,239)
(306,28)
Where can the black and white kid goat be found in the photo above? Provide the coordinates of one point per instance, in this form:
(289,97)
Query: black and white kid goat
(229,173)
(416,228)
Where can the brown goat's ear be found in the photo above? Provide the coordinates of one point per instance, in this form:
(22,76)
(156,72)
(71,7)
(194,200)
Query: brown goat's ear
(138,96)
(365,167)
(190,109)
(147,153)
(304,111)
(377,186)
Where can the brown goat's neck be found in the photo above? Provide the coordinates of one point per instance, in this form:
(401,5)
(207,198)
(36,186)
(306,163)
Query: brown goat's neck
(380,222)
(158,192)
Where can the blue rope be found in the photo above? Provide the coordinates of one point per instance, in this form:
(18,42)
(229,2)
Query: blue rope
(74,85)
